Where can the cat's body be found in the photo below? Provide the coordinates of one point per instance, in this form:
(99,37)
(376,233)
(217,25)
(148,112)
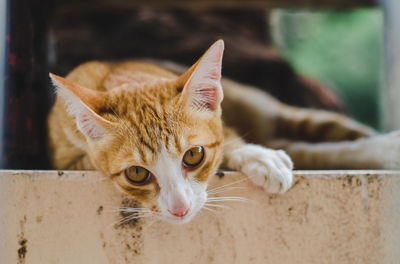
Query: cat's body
(142,116)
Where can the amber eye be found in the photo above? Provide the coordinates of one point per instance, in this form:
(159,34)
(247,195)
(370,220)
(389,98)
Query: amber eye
(193,157)
(137,175)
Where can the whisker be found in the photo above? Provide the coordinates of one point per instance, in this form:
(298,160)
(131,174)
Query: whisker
(132,217)
(126,209)
(225,190)
(138,214)
(132,211)
(127,219)
(228,198)
(111,206)
(229,184)
(209,209)
(218,205)
(135,208)
(223,197)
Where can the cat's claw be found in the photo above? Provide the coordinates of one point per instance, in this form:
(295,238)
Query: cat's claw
(267,168)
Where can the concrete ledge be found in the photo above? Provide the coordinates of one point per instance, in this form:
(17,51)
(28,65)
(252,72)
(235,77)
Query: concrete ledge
(327,217)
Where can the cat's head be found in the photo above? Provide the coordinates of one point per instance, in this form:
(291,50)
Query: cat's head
(160,143)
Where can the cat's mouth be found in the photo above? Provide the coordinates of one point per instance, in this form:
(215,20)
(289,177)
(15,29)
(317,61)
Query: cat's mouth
(183,209)
(184,218)
(179,219)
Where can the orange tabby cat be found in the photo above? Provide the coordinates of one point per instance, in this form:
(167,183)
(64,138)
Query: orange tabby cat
(159,136)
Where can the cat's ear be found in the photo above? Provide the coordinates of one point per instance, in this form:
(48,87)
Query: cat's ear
(82,103)
(202,87)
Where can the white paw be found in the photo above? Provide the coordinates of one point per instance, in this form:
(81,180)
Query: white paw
(271,169)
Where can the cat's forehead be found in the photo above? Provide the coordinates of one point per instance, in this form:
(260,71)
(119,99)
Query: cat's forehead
(144,139)
(151,121)
(150,128)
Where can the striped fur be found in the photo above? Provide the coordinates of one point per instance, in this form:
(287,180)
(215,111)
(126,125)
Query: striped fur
(112,116)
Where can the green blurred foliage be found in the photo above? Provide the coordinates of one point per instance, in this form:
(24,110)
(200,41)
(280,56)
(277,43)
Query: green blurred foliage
(341,49)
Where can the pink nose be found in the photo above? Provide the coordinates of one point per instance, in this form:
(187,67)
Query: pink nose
(180,211)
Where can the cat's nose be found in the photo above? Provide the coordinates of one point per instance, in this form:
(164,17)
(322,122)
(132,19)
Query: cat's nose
(180,210)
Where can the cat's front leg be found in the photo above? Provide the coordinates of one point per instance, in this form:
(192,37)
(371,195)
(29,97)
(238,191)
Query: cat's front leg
(270,169)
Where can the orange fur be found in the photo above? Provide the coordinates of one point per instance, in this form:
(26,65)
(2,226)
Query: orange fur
(112,116)
(147,107)
(142,110)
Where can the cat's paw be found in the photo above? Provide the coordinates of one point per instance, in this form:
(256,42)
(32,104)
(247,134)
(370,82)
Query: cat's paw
(271,169)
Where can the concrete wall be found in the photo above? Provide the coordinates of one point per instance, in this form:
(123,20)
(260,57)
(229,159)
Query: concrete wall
(327,217)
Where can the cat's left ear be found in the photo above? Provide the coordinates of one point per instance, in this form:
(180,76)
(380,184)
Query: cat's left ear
(83,104)
(202,89)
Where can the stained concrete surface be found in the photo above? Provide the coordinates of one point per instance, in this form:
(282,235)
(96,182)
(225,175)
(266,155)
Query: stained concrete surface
(326,217)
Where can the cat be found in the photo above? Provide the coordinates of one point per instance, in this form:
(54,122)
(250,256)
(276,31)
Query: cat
(160,136)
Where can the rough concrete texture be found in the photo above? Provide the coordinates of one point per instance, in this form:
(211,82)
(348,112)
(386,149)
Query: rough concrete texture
(327,217)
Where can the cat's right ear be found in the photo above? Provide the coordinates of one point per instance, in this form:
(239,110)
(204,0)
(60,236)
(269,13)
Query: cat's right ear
(82,103)
(202,89)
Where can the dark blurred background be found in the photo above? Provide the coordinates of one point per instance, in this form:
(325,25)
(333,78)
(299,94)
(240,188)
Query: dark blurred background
(321,59)
(328,59)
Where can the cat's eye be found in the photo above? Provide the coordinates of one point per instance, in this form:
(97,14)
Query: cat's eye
(137,175)
(193,157)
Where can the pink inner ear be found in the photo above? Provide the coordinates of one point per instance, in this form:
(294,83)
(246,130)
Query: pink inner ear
(216,75)
(79,101)
(212,96)
(88,125)
(204,86)
(213,59)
